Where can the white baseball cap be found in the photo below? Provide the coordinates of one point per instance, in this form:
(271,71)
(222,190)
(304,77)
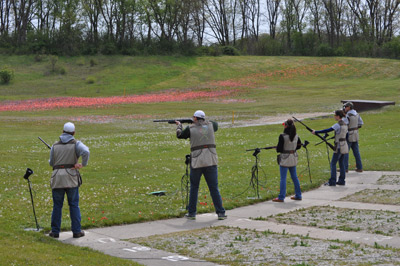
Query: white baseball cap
(199,114)
(69,127)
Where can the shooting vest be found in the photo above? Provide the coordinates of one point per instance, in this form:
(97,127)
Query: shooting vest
(64,158)
(340,139)
(202,145)
(288,157)
(353,127)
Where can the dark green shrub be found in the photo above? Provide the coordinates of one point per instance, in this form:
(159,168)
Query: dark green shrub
(215,50)
(230,50)
(325,50)
(392,49)
(93,62)
(6,74)
(339,51)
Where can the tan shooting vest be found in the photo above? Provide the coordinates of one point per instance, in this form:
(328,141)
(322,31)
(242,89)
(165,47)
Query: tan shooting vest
(289,157)
(353,127)
(64,158)
(340,139)
(202,145)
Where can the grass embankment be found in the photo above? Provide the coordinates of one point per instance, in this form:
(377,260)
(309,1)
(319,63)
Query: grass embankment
(132,156)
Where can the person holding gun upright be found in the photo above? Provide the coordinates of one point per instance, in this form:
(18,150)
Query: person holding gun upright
(204,161)
(341,150)
(288,143)
(354,121)
(66,179)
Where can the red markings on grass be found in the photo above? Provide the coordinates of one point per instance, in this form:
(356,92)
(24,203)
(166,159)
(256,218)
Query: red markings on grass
(68,102)
(306,71)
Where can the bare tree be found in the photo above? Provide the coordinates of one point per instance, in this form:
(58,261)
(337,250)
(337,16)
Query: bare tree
(22,14)
(218,20)
(272,16)
(5,7)
(199,20)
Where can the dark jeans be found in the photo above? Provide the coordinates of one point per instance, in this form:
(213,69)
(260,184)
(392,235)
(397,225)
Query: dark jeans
(356,153)
(338,157)
(211,176)
(295,179)
(74,211)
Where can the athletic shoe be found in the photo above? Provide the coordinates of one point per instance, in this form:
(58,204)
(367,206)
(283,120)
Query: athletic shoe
(78,235)
(222,216)
(190,216)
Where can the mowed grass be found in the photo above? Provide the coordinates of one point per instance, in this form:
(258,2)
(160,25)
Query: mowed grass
(131,156)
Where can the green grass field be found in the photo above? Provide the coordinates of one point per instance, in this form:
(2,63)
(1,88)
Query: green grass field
(131,156)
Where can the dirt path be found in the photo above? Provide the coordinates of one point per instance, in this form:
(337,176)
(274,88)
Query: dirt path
(270,120)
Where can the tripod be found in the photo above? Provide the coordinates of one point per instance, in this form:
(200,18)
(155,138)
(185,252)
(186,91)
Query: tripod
(185,183)
(254,181)
(26,176)
(327,147)
(308,158)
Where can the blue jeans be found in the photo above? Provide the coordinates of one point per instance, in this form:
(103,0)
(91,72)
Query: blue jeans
(356,153)
(74,211)
(211,176)
(295,180)
(338,157)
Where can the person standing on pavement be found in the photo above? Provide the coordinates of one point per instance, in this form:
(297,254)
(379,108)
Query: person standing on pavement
(204,161)
(288,143)
(354,121)
(66,179)
(341,150)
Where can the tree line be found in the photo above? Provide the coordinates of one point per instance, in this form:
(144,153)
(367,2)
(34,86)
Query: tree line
(195,27)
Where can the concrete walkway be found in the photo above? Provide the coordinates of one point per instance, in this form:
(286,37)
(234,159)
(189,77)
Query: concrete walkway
(109,240)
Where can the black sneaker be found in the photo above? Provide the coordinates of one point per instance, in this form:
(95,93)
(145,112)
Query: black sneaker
(341,183)
(54,235)
(78,235)
(329,184)
(222,216)
(190,216)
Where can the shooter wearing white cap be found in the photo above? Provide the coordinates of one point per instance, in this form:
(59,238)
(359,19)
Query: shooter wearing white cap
(204,161)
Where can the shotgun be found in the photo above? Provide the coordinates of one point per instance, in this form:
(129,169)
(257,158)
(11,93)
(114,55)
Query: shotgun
(316,134)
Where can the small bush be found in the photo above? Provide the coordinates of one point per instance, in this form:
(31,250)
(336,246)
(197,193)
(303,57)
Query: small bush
(39,58)
(90,80)
(230,50)
(325,50)
(93,62)
(62,70)
(215,50)
(53,62)
(392,49)
(6,75)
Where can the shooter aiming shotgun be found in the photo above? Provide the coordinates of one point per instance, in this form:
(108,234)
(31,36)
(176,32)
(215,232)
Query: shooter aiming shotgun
(172,121)
(316,134)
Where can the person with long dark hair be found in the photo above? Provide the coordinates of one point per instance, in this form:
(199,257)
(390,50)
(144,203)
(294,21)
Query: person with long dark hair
(289,143)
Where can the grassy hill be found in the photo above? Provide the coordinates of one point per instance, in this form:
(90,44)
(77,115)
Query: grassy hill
(131,156)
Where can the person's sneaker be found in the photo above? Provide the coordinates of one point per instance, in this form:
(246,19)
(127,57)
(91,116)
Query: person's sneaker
(294,198)
(277,200)
(341,183)
(54,235)
(329,184)
(359,170)
(190,216)
(222,216)
(78,235)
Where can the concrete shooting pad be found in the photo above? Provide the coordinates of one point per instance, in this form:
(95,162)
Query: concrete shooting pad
(112,240)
